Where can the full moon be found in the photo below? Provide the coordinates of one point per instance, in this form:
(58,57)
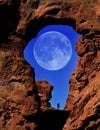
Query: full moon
(52,50)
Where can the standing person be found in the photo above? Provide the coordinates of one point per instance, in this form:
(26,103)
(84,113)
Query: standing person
(58,105)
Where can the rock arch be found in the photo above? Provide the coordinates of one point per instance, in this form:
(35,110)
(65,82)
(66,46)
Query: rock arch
(18,97)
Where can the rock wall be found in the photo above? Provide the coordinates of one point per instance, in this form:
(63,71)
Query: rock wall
(18,96)
(84,99)
(19,99)
(44,92)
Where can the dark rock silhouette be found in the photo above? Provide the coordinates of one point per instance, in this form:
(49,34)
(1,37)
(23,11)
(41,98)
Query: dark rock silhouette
(51,119)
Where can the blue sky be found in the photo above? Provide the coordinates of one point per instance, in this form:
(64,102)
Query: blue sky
(58,78)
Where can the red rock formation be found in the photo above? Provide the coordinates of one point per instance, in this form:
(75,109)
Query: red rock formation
(17,87)
(44,91)
(19,99)
(85,87)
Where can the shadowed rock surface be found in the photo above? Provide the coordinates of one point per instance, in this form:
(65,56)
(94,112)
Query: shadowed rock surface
(51,119)
(19,98)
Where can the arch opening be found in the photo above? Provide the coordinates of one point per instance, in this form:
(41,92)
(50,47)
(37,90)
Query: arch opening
(58,78)
(35,26)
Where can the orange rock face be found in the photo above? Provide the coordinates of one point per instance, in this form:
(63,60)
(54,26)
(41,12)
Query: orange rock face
(44,92)
(85,88)
(20,100)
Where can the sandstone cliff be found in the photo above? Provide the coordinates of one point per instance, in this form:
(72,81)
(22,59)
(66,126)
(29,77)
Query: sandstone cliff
(44,92)
(20,104)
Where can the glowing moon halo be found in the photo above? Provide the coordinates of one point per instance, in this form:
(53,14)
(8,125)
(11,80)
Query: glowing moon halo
(52,50)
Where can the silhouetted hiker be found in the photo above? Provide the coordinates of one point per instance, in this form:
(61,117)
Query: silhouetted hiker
(58,105)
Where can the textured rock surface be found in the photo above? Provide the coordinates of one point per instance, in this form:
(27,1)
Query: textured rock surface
(84,95)
(44,92)
(19,99)
(18,96)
